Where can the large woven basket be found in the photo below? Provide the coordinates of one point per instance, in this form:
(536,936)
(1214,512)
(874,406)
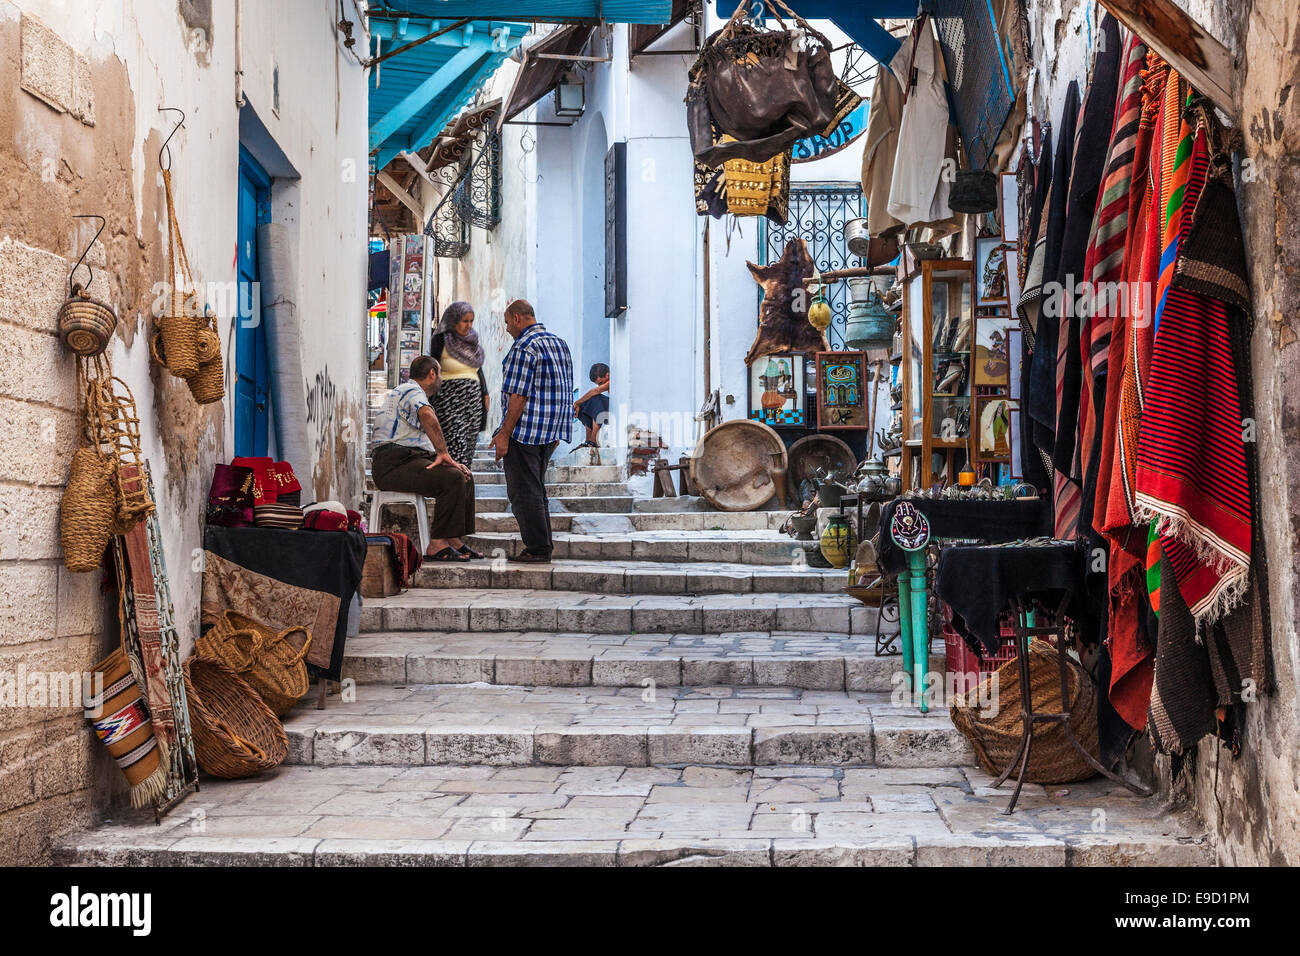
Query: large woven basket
(996,738)
(89,510)
(85,324)
(235,733)
(264,657)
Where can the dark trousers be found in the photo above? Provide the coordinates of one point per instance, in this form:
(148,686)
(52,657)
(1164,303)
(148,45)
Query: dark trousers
(401,468)
(525,468)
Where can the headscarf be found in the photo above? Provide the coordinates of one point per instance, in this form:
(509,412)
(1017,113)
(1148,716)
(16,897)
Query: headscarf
(463,348)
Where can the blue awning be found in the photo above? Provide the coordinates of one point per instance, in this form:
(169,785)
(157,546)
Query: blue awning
(857,18)
(611,11)
(414,94)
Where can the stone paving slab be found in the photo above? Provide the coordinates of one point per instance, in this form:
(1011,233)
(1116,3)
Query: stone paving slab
(790,659)
(633,577)
(508,725)
(633,816)
(518,609)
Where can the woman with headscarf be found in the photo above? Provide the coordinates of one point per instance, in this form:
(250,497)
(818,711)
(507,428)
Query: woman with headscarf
(462,402)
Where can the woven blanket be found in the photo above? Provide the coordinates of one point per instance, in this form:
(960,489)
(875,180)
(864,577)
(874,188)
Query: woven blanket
(1191,480)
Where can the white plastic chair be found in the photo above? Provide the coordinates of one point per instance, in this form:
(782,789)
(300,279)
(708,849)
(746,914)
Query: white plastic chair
(381,498)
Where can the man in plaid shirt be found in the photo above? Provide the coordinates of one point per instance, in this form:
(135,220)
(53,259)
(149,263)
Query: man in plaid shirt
(537,392)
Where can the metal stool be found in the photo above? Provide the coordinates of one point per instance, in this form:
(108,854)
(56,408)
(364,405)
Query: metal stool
(381,498)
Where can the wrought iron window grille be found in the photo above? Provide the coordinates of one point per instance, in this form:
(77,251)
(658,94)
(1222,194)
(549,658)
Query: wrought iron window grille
(446,227)
(818,212)
(478,194)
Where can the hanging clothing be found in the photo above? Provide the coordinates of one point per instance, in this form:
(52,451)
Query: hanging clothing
(883,119)
(918,192)
(1087,166)
(1191,476)
(1041,402)
(1104,268)
(1032,252)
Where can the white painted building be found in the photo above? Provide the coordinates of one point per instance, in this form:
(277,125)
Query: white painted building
(550,245)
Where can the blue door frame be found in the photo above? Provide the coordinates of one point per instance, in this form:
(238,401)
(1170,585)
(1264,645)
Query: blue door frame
(252,375)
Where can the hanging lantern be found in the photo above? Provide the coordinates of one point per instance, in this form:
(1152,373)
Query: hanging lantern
(870,324)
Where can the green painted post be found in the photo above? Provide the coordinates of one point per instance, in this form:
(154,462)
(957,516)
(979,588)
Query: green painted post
(920,629)
(905,618)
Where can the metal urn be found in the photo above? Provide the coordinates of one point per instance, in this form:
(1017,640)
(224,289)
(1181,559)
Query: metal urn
(870,324)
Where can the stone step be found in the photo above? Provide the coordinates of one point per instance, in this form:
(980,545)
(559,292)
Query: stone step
(581,612)
(632,577)
(497,725)
(570,473)
(501,521)
(603,489)
(641,816)
(767,548)
(609,504)
(745,658)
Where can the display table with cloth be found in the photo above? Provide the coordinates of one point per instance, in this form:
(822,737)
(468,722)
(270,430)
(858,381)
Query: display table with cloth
(970,519)
(286,579)
(979,582)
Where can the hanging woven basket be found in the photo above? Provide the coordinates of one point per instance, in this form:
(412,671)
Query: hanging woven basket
(88,511)
(85,325)
(235,733)
(208,384)
(111,428)
(177,345)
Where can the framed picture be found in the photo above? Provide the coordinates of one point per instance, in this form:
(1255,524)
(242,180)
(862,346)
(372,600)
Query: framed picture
(993,427)
(777,394)
(1009,206)
(950,418)
(990,272)
(1013,276)
(411,319)
(842,390)
(993,350)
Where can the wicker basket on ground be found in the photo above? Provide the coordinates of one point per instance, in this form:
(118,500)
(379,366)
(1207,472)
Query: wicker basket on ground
(262,656)
(235,733)
(996,737)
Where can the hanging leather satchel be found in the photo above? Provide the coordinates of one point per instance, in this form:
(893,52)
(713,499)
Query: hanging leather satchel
(764,88)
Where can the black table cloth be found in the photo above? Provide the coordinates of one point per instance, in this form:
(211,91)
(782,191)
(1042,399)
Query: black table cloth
(286,578)
(979,581)
(983,520)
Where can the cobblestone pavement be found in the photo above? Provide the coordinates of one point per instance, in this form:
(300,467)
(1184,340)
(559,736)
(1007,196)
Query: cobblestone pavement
(644,816)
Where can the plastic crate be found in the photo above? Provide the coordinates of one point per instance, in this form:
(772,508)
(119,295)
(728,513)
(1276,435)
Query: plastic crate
(960,659)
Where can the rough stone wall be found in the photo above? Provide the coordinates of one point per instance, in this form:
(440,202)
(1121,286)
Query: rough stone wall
(80,86)
(1252,803)
(66,141)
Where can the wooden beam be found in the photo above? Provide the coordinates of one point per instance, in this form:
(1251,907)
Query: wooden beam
(1170,31)
(406,199)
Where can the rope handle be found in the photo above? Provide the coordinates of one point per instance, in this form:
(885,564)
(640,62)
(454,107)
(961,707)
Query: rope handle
(799,20)
(176,253)
(253,653)
(302,652)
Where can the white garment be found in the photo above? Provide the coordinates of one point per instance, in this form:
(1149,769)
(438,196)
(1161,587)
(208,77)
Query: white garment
(919,192)
(885,110)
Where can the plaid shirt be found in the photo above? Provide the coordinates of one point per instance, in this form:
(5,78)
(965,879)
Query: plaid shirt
(540,367)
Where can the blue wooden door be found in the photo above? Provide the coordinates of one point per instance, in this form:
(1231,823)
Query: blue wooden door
(252,377)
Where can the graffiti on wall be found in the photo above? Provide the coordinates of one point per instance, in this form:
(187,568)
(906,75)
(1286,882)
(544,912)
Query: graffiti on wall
(321,398)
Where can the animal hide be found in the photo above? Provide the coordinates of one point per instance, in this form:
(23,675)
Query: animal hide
(782,328)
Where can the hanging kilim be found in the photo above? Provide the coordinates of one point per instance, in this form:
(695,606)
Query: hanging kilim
(153,644)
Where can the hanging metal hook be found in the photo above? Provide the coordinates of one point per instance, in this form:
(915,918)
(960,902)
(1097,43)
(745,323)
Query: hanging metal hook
(85,252)
(165,149)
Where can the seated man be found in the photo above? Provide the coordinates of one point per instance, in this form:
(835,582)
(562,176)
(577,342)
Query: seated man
(410,455)
(593,404)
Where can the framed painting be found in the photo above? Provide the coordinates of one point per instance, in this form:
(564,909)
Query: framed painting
(992,359)
(993,428)
(777,393)
(990,272)
(842,389)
